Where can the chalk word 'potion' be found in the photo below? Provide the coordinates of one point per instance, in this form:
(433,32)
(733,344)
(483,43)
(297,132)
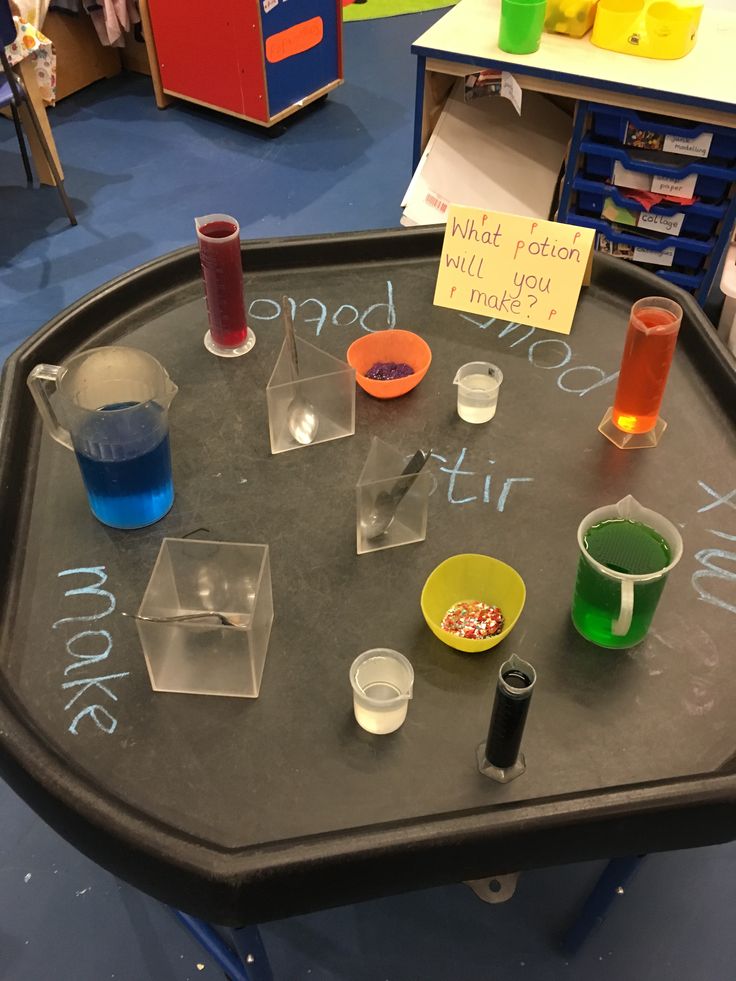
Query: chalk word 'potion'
(377,316)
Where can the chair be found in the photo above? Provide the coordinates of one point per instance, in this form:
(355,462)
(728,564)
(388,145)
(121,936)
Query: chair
(13,94)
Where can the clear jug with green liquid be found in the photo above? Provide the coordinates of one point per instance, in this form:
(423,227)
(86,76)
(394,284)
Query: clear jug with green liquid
(627,552)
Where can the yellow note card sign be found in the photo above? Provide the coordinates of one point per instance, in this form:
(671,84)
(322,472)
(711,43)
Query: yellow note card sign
(524,270)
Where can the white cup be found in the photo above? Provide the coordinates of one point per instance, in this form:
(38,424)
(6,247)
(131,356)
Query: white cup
(478,383)
(382,682)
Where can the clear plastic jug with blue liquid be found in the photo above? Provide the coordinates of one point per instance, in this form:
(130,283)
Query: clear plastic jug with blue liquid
(111,405)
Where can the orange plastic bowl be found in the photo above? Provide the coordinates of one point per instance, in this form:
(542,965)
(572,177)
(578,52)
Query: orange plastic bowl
(389,345)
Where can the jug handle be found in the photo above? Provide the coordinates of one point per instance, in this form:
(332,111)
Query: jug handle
(38,381)
(622,625)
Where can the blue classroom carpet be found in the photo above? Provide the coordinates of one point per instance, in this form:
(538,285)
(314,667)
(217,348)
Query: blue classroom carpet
(62,918)
(138,177)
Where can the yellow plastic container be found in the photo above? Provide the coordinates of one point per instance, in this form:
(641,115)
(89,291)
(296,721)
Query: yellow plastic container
(573,17)
(658,29)
(472,577)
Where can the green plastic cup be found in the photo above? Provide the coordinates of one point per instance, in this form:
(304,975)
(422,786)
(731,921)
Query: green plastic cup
(522,22)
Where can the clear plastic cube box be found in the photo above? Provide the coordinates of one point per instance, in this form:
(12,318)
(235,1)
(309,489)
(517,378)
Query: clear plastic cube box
(207,658)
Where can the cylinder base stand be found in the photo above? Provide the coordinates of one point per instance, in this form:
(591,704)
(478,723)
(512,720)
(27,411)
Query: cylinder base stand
(495,772)
(229,352)
(630,441)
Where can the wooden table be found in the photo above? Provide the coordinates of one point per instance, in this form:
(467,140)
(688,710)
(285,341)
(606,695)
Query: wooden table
(700,87)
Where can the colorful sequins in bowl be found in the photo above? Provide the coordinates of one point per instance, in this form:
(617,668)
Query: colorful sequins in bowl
(463,579)
(389,349)
(473,620)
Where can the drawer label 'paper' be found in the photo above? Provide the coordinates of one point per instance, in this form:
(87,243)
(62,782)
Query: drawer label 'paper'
(524,270)
(682,188)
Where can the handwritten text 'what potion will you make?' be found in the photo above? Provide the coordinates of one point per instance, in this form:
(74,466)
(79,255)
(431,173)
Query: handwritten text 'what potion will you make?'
(519,269)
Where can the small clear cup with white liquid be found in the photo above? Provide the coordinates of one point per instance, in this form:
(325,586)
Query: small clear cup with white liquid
(382,682)
(478,383)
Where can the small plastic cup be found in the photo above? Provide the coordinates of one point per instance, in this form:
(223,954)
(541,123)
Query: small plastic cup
(478,383)
(383,682)
(522,22)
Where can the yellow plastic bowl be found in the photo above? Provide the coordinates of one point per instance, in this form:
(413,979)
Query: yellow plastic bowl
(472,577)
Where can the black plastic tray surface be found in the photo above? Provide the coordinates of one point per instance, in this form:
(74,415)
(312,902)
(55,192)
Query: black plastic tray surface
(248,809)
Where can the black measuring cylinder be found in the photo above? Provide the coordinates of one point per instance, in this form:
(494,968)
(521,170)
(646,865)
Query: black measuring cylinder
(516,681)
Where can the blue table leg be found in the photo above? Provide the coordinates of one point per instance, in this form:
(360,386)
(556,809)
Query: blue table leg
(610,885)
(250,963)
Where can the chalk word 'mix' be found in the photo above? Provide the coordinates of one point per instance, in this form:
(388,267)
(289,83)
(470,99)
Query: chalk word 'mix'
(715,560)
(88,647)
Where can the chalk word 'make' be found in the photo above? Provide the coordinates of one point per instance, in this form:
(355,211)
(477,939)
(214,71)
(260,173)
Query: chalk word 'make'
(86,648)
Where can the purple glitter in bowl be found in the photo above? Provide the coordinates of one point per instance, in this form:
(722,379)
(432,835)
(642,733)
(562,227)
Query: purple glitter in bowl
(389,370)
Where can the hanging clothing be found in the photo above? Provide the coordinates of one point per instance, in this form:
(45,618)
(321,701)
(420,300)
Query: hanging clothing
(112,19)
(33,11)
(31,43)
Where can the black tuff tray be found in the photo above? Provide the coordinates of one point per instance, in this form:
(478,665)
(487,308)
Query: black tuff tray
(245,810)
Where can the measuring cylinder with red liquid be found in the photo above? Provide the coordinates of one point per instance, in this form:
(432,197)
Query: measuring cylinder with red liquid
(219,252)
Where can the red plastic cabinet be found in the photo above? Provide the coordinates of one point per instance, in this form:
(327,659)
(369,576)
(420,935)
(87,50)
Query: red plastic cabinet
(260,60)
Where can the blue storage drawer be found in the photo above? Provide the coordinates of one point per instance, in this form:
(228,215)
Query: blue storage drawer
(649,132)
(712,184)
(699,220)
(676,254)
(690,283)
